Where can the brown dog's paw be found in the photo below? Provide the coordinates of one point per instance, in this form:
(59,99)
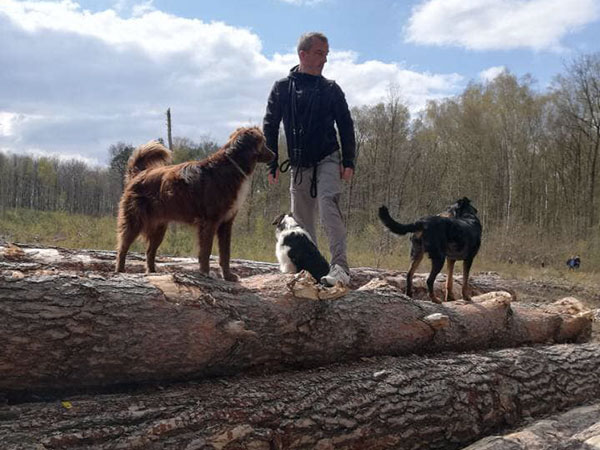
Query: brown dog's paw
(206,274)
(231,277)
(465,295)
(434,299)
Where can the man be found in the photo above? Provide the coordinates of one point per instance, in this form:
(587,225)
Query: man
(309,104)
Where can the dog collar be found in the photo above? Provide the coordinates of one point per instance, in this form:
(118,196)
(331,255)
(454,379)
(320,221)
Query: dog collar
(236,165)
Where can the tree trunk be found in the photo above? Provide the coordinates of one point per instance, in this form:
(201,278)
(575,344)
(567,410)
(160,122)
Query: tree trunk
(169,138)
(577,429)
(439,402)
(72,328)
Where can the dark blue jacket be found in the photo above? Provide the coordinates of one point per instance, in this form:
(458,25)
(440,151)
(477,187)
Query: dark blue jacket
(319,103)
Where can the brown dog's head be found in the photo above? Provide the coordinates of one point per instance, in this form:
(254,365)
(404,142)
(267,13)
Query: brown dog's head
(250,139)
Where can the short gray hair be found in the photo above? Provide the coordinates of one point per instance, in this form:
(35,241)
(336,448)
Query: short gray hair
(306,40)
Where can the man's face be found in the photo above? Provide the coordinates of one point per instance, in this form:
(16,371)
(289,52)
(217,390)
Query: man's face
(313,60)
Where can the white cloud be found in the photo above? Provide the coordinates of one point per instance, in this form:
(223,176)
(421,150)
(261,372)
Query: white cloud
(139,9)
(74,82)
(303,2)
(135,7)
(369,82)
(156,33)
(7,123)
(499,24)
(491,73)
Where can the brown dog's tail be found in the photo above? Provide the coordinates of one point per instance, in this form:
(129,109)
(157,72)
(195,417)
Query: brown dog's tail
(147,156)
(395,227)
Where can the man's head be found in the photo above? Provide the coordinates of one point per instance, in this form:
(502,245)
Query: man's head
(312,51)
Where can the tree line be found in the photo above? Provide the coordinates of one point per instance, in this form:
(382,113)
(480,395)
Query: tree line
(527,159)
(52,184)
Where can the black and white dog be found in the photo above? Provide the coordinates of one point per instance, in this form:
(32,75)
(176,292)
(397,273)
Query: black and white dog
(295,249)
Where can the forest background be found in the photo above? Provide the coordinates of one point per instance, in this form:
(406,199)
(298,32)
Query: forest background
(528,159)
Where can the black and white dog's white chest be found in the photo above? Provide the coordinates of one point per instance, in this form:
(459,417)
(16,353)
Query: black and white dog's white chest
(296,251)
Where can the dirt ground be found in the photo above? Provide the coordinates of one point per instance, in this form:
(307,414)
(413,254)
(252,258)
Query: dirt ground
(532,291)
(543,292)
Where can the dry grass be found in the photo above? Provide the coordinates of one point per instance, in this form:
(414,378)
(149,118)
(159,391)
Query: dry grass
(373,247)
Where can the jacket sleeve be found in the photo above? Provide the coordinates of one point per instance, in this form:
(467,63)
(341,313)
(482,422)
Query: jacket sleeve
(345,127)
(271,123)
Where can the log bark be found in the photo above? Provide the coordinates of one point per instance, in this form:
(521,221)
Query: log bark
(69,329)
(439,402)
(576,429)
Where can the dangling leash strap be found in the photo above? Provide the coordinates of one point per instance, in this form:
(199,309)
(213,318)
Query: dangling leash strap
(313,183)
(285,166)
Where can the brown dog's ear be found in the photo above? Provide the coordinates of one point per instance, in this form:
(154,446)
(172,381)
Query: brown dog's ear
(235,133)
(278,219)
(245,137)
(255,134)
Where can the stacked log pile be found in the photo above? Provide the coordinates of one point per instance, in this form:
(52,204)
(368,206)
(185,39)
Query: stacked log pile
(196,362)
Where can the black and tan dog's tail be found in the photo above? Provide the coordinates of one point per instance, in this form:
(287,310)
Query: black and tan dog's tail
(395,227)
(151,154)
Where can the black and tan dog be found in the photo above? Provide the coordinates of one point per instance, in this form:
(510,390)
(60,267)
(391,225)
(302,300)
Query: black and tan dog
(207,194)
(454,234)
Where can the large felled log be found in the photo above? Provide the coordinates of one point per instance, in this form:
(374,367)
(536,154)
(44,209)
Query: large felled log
(439,402)
(66,330)
(28,258)
(577,429)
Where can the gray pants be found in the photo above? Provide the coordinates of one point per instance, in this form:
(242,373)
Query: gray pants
(329,191)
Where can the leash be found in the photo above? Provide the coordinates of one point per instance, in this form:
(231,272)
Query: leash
(244,174)
(299,136)
(285,166)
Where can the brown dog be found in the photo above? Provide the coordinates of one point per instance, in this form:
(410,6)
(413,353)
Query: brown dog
(205,193)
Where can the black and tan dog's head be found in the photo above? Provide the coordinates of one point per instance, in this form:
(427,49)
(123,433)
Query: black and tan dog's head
(461,208)
(250,139)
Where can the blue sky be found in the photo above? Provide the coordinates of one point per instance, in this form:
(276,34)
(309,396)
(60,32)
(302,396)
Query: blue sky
(79,75)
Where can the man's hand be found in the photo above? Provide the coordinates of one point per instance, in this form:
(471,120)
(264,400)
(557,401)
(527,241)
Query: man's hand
(346,173)
(273,179)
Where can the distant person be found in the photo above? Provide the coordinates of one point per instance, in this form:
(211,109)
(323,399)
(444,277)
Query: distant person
(309,105)
(574,262)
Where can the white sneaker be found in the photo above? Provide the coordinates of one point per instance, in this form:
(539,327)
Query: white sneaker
(336,275)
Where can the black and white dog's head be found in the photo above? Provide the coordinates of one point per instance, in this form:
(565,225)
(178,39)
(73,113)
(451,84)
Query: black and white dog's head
(296,250)
(286,224)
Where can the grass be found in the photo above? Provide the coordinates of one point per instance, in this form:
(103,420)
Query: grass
(371,247)
(80,231)
(57,229)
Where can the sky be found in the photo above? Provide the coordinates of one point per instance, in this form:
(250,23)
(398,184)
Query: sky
(77,76)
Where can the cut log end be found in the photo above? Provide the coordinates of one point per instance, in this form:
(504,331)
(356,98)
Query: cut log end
(303,285)
(437,321)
